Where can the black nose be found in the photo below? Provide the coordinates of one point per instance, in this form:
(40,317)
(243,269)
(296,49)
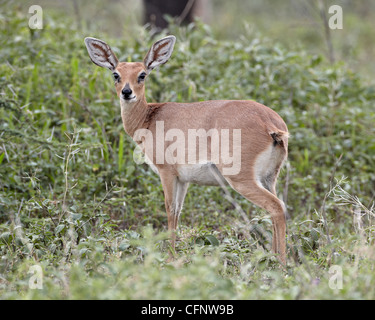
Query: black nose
(126,92)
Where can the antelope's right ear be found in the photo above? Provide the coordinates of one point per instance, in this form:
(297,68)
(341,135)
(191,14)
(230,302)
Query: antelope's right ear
(101,54)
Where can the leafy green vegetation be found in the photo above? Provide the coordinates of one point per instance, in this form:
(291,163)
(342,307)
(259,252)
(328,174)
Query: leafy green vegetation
(73,201)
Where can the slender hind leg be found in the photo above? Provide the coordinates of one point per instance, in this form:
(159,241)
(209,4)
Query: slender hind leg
(265,199)
(270,185)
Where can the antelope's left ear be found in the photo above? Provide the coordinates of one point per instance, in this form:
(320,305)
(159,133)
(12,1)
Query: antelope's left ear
(159,53)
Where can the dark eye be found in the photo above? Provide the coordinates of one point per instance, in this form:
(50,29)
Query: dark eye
(142,77)
(116,76)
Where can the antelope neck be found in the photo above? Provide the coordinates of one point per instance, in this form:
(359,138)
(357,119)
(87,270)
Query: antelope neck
(134,115)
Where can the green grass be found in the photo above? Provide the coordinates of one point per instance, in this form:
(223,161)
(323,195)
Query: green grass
(74,202)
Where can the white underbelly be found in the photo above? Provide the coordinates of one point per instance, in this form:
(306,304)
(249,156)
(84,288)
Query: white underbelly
(206,174)
(203,174)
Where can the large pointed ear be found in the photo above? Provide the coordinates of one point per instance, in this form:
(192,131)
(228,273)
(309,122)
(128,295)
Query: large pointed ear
(159,53)
(101,54)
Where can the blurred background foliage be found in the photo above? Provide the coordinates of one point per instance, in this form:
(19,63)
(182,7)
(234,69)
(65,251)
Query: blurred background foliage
(294,23)
(73,200)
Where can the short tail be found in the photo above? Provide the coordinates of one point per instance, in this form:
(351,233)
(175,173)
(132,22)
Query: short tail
(280,138)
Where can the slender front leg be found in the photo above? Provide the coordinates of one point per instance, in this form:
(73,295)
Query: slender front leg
(174,196)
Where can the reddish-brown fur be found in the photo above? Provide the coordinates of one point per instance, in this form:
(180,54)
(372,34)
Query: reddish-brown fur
(264,145)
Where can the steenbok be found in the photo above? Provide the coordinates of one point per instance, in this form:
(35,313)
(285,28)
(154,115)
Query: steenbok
(240,143)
